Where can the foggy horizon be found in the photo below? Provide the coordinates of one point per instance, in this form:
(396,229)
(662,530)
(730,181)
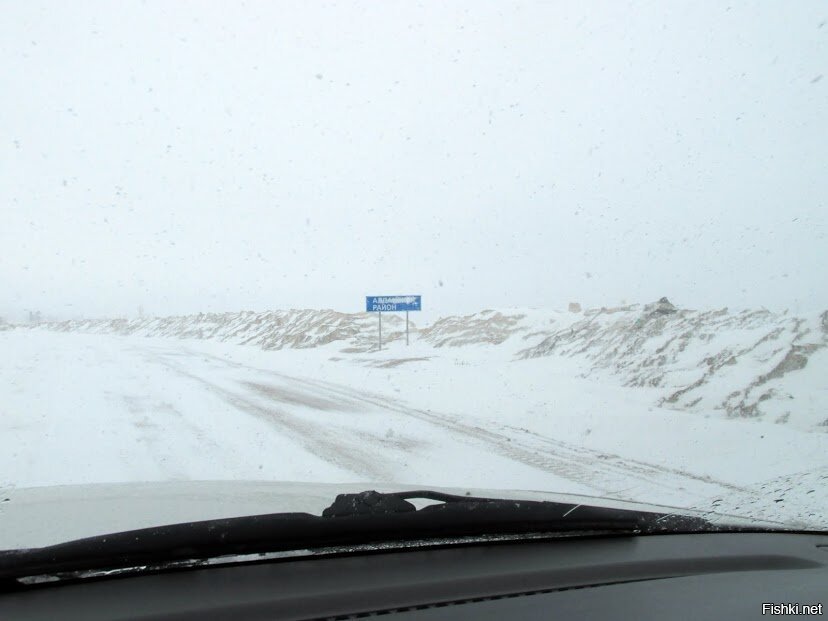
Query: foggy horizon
(276,156)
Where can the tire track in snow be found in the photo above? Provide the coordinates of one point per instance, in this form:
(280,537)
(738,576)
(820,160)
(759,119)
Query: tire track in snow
(320,441)
(607,473)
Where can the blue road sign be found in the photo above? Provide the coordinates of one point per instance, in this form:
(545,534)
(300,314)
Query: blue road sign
(391,303)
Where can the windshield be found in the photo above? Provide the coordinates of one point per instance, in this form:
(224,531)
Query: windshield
(576,248)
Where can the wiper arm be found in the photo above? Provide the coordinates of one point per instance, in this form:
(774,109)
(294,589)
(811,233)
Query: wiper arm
(353,519)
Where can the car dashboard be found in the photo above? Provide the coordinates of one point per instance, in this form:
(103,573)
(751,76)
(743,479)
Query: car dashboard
(672,576)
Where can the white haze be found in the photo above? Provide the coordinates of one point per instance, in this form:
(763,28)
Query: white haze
(193,156)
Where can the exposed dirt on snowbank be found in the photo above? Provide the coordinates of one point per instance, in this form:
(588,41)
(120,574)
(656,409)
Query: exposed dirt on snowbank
(486,327)
(749,364)
(289,329)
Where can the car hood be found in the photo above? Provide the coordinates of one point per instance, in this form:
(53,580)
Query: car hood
(41,516)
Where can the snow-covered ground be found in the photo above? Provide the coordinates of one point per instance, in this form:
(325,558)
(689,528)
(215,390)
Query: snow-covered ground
(578,403)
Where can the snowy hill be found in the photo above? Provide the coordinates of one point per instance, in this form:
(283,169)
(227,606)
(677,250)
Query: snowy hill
(750,364)
(281,329)
(747,364)
(489,327)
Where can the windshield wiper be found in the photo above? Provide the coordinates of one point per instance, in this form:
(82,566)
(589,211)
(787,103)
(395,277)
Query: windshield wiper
(353,519)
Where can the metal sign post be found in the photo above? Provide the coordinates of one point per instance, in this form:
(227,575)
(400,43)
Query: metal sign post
(379,303)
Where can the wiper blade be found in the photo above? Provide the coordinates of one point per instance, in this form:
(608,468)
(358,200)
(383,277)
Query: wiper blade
(375,503)
(559,516)
(353,519)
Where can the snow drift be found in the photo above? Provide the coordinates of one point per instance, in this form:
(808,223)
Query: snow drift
(749,364)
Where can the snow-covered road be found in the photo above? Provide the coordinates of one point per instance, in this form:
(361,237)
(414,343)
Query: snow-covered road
(97,408)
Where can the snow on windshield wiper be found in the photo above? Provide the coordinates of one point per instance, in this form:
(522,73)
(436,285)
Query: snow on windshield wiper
(352,520)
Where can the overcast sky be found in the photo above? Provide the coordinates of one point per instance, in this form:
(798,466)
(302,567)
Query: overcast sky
(196,156)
